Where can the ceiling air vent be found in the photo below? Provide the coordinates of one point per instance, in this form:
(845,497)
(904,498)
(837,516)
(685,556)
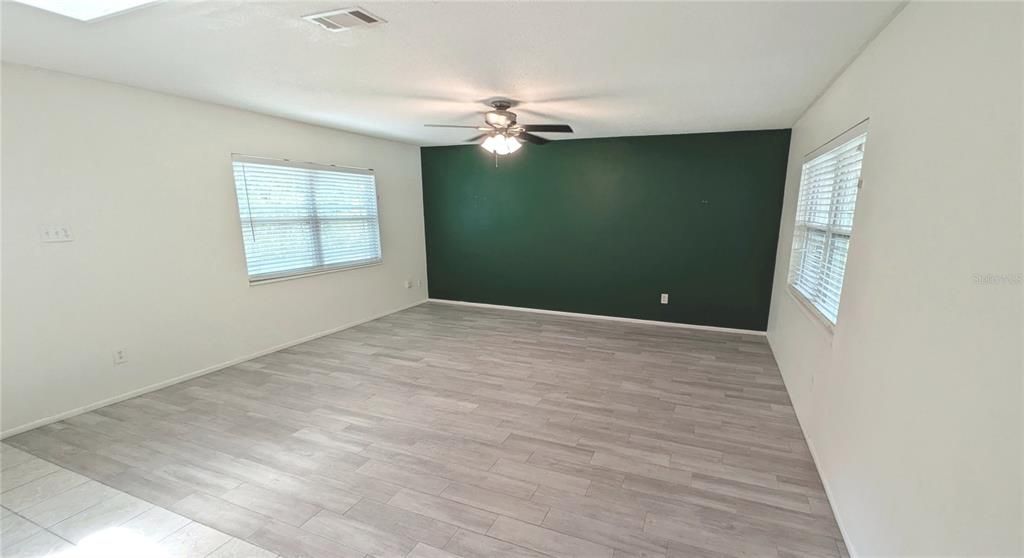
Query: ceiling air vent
(344,19)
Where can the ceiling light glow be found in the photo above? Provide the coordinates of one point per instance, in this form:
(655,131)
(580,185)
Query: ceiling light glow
(500,144)
(86,10)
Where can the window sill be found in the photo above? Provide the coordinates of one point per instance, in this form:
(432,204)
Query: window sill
(809,309)
(322,271)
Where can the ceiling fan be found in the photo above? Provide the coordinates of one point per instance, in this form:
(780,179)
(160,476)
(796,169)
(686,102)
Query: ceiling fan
(502,134)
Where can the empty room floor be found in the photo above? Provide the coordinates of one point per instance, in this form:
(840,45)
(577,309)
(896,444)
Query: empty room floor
(446,431)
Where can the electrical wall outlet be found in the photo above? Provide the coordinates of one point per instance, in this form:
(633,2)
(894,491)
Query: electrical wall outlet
(60,233)
(408,283)
(120,356)
(664,298)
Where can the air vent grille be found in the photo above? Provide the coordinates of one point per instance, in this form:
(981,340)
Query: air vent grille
(344,19)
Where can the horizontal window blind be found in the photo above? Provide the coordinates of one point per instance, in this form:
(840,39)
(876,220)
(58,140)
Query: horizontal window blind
(301,218)
(824,223)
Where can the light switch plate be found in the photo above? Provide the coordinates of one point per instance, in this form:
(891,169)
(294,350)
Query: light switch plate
(61,233)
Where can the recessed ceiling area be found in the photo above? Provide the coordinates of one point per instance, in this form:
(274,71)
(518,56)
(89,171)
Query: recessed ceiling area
(607,69)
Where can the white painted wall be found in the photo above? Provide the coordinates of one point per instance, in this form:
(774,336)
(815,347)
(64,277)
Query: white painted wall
(913,405)
(144,181)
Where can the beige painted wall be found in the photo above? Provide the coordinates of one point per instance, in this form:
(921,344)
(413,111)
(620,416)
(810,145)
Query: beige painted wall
(157,267)
(913,405)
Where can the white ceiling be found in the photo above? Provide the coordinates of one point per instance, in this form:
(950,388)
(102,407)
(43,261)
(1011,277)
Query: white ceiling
(608,69)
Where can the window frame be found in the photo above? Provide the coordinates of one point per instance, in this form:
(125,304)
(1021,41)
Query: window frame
(298,273)
(859,129)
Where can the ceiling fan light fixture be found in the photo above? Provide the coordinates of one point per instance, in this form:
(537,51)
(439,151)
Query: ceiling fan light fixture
(490,144)
(500,144)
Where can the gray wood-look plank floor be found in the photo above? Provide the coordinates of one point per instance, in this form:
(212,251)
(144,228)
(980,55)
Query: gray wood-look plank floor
(447,431)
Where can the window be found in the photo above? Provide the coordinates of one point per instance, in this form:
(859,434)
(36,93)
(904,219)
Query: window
(824,221)
(303,218)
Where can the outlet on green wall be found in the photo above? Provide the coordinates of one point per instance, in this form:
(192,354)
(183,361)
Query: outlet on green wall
(605,226)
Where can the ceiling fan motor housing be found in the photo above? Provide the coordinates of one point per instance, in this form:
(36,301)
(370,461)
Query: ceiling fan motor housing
(500,118)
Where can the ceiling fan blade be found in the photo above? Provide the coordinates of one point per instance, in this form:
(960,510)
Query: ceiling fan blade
(453,126)
(475,139)
(526,136)
(547,128)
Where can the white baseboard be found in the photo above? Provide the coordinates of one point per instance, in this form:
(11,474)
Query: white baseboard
(600,317)
(828,494)
(190,375)
(817,467)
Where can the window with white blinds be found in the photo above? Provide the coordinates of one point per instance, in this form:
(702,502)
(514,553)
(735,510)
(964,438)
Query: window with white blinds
(303,218)
(824,222)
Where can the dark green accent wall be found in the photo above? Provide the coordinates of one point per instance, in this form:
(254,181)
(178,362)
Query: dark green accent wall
(603,226)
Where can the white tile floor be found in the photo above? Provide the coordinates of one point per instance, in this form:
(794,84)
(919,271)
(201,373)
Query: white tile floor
(51,511)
